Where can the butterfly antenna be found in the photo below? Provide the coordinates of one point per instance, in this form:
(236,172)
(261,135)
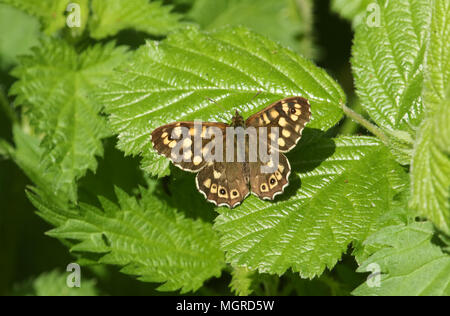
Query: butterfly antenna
(254,97)
(221,105)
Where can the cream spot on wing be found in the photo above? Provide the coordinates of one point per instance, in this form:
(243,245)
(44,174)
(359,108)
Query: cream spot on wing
(282,122)
(177,131)
(203,132)
(266,119)
(166,141)
(164,135)
(197,160)
(187,142)
(172,143)
(297,106)
(281,142)
(278,175)
(285,133)
(207,183)
(217,174)
(294,117)
(274,114)
(270,163)
(281,168)
(285,108)
(187,155)
(263,187)
(297,128)
(214,188)
(192,131)
(272,136)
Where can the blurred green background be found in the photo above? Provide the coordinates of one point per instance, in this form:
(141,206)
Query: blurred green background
(27,253)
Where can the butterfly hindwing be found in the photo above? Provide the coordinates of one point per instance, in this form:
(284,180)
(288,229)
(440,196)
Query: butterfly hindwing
(289,115)
(224,184)
(267,185)
(176,142)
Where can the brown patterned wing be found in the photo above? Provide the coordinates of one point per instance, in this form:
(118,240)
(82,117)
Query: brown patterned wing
(290,115)
(224,183)
(176,141)
(268,185)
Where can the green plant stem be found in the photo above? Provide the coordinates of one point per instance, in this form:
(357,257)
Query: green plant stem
(365,123)
(349,126)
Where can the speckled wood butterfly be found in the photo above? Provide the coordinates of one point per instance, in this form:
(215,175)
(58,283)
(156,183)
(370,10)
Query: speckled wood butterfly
(225,181)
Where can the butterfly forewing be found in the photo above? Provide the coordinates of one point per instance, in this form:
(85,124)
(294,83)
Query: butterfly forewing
(176,142)
(289,115)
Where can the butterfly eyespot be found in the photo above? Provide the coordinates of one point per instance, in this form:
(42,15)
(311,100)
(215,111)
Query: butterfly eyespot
(293,111)
(223,192)
(272,181)
(234,193)
(264,188)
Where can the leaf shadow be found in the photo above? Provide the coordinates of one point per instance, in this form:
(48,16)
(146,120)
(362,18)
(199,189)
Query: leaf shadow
(180,192)
(313,149)
(114,170)
(441,239)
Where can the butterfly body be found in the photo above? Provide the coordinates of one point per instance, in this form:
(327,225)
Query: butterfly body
(225,181)
(237,120)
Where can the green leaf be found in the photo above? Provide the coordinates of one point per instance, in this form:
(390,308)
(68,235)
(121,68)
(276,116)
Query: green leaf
(156,165)
(430,174)
(290,20)
(145,237)
(51,13)
(112,16)
(388,65)
(437,65)
(430,171)
(409,261)
(175,80)
(353,10)
(54,284)
(339,190)
(18,33)
(56,85)
(27,155)
(241,281)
